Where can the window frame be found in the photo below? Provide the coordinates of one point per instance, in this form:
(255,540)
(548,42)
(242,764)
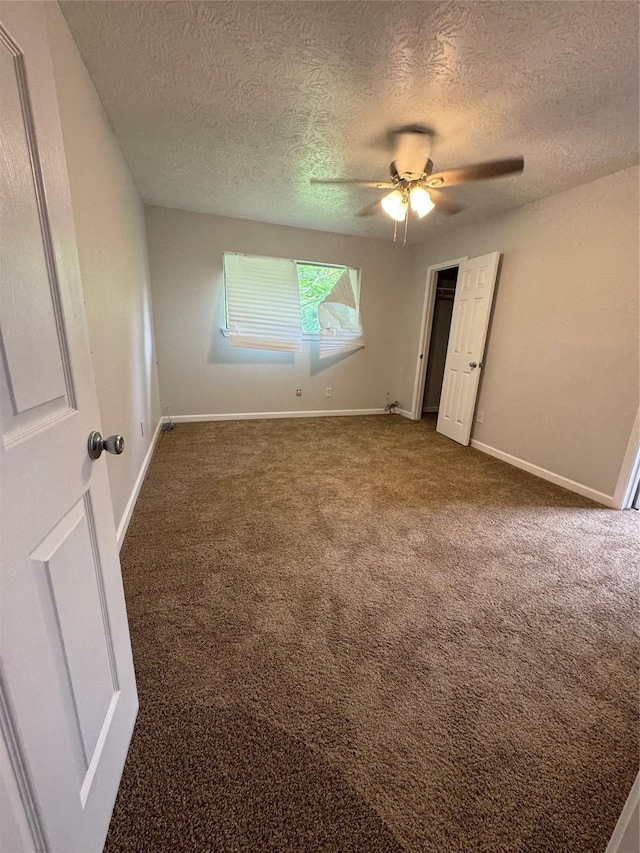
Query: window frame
(306,336)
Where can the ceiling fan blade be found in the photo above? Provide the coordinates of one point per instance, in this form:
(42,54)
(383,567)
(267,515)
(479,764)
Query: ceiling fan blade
(370,209)
(378,185)
(443,204)
(477,172)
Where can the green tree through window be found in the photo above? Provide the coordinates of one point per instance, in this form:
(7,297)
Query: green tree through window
(315,282)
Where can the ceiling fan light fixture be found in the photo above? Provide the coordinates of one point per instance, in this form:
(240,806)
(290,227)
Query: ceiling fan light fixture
(420,201)
(395,205)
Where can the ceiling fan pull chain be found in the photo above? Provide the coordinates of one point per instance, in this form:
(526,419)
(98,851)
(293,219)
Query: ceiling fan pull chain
(406,225)
(395,229)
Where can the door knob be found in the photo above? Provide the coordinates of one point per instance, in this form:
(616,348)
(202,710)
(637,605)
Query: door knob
(473,365)
(96,444)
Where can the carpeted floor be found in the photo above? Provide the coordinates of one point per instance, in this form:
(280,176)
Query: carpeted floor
(353,635)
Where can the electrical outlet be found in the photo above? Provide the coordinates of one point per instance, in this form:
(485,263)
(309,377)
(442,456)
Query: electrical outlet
(480,417)
(327,392)
(298,392)
(142,428)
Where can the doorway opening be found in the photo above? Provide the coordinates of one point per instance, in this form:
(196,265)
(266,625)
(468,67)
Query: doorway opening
(450,269)
(446,281)
(465,335)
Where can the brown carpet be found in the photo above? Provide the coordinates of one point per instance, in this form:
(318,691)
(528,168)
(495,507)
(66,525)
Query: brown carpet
(351,634)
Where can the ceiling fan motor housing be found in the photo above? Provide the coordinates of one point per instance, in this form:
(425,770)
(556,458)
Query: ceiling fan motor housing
(412,154)
(408,176)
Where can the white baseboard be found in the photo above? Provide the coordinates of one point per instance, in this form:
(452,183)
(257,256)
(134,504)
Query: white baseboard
(128,510)
(626,835)
(431,409)
(406,414)
(557,479)
(248,416)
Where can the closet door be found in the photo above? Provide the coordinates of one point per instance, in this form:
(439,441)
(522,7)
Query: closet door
(469,324)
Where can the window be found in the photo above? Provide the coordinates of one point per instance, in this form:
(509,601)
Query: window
(315,282)
(272,302)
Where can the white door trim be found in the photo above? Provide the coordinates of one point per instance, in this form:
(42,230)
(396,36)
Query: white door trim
(22,800)
(425,332)
(622,839)
(628,478)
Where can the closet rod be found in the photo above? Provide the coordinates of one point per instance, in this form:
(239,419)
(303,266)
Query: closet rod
(445,294)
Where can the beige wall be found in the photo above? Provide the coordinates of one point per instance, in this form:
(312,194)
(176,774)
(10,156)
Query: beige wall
(560,385)
(200,373)
(109,219)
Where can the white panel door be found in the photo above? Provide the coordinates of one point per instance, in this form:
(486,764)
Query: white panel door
(467,338)
(67,690)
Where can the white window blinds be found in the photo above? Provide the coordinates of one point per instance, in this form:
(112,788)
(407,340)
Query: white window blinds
(263,302)
(339,317)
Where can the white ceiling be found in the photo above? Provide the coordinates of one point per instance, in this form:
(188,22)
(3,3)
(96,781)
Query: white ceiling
(230,107)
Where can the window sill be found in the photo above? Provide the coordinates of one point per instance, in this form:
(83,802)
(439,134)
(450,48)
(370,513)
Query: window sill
(305,336)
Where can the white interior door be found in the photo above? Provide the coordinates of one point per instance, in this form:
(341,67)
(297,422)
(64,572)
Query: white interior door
(467,338)
(67,690)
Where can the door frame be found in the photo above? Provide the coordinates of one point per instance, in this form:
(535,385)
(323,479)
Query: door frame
(426,327)
(623,833)
(630,471)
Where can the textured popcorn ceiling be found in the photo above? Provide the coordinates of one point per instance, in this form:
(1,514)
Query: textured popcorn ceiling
(230,107)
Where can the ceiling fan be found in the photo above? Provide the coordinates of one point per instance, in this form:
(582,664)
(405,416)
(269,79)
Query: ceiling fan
(414,185)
